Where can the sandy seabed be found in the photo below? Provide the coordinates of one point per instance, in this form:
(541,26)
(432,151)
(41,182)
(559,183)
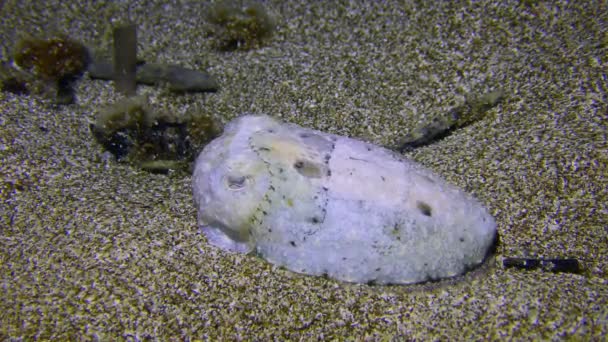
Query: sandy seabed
(93,249)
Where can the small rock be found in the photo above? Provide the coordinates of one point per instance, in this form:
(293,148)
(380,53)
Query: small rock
(472,110)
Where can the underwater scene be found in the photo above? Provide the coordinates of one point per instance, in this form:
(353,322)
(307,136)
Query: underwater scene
(281,170)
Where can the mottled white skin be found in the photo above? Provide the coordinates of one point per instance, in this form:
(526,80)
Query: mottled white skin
(323,204)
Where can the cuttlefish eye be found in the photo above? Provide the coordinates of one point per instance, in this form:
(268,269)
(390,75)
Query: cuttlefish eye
(236,182)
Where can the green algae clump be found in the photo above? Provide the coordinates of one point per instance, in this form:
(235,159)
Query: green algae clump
(54,59)
(239,27)
(137,134)
(45,66)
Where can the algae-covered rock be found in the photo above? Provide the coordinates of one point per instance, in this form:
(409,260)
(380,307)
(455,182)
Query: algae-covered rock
(239,27)
(45,66)
(158,142)
(55,58)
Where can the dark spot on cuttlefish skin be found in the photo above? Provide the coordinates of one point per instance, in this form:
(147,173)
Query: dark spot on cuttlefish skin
(424,208)
(308,168)
(293,243)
